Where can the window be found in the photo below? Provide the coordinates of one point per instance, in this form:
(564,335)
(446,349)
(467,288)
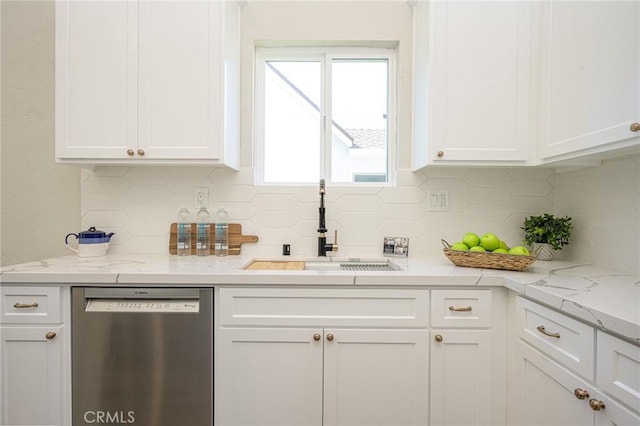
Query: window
(324,113)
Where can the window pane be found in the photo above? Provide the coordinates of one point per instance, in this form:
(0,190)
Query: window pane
(292,122)
(359,102)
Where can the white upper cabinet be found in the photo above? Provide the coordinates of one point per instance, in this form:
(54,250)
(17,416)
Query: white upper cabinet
(472,63)
(590,77)
(148,81)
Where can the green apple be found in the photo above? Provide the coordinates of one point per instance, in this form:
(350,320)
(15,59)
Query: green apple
(479,249)
(519,250)
(471,239)
(503,245)
(459,247)
(489,242)
(500,250)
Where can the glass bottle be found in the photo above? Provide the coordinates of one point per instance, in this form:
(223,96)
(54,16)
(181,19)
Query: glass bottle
(184,232)
(203,229)
(222,232)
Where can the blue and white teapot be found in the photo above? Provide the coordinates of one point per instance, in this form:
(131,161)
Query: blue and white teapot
(91,243)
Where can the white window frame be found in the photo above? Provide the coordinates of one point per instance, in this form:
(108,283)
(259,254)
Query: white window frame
(324,55)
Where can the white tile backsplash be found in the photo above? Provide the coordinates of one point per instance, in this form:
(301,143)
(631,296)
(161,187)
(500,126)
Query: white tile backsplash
(139,206)
(604,203)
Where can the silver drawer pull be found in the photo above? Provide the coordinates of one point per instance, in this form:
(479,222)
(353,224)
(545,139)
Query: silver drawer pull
(25,305)
(465,309)
(542,330)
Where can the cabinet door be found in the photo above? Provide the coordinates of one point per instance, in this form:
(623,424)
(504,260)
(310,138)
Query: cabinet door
(31,375)
(590,78)
(180,79)
(618,369)
(614,413)
(375,377)
(479,84)
(147,80)
(96,78)
(269,377)
(545,392)
(461,377)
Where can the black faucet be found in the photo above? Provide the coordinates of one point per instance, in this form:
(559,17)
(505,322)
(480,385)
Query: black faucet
(323,247)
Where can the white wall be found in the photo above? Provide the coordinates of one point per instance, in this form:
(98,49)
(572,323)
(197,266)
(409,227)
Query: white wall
(40,201)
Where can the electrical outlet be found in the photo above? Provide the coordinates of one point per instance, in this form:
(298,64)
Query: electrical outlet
(438,201)
(395,246)
(201,197)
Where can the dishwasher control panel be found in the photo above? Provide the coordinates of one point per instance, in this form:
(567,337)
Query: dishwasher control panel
(143,305)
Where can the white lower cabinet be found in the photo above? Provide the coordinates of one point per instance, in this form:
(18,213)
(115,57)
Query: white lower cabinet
(32,357)
(468,358)
(553,380)
(361,357)
(546,392)
(619,369)
(313,377)
(31,375)
(269,376)
(285,367)
(461,377)
(549,394)
(375,377)
(615,414)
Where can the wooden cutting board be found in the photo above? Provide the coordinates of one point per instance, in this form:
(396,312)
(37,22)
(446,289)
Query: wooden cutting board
(271,265)
(236,239)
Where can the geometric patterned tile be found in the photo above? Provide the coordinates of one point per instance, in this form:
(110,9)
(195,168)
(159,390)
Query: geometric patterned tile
(604,202)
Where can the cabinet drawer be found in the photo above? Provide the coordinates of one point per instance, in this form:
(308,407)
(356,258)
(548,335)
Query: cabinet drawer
(564,339)
(30,305)
(324,307)
(461,308)
(618,369)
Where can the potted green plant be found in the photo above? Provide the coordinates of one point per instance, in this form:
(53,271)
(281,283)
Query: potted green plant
(546,233)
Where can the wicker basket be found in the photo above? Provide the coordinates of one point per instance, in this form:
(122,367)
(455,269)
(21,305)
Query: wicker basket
(488,260)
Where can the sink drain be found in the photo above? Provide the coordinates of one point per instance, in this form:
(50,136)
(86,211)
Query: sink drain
(374,267)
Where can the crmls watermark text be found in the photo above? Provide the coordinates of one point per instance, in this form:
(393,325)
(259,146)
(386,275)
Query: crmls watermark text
(110,417)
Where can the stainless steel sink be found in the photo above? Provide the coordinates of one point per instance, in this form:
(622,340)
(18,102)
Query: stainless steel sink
(327,264)
(351,265)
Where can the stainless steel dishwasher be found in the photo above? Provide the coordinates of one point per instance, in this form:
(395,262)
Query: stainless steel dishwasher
(142,356)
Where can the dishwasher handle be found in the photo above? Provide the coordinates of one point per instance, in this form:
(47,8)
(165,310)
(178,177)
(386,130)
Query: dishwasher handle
(141,293)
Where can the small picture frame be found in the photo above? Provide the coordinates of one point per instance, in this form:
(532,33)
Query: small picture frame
(395,246)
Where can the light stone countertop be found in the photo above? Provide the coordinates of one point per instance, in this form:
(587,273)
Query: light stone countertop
(607,299)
